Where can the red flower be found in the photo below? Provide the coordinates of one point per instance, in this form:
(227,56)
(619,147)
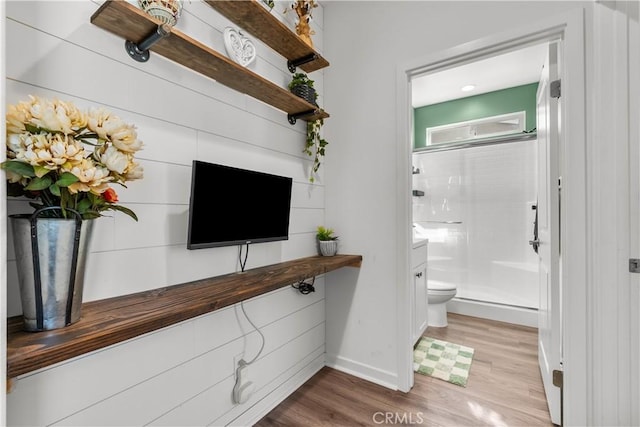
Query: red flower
(110,195)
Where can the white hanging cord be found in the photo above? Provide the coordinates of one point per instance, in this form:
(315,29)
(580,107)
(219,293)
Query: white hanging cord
(258,331)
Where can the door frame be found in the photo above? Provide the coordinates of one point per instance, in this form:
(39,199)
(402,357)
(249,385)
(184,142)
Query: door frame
(568,26)
(3,224)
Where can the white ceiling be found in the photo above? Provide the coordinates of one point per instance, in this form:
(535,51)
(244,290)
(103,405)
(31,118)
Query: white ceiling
(499,72)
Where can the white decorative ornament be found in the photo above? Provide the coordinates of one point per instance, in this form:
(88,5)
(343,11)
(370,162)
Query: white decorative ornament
(239,48)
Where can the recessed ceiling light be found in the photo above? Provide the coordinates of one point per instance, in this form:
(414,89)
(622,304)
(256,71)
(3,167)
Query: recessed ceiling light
(468,88)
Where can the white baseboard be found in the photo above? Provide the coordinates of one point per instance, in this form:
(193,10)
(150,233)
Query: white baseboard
(502,313)
(378,376)
(277,396)
(261,408)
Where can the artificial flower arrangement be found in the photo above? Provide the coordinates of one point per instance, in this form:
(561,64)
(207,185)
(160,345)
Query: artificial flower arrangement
(48,159)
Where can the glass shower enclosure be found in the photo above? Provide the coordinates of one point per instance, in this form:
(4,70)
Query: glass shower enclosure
(475,204)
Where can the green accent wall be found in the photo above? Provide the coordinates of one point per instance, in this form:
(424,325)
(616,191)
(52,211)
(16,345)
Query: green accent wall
(519,98)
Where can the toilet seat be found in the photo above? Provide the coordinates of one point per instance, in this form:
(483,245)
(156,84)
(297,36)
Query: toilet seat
(436,285)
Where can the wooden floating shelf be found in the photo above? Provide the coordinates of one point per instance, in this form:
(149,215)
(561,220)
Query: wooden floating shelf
(254,18)
(127,21)
(113,320)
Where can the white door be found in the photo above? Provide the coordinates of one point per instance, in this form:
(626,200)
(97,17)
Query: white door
(548,211)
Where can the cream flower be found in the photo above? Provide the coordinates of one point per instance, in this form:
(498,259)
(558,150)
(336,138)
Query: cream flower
(16,177)
(134,171)
(50,115)
(96,120)
(115,160)
(110,128)
(50,151)
(15,144)
(91,177)
(50,135)
(77,117)
(53,115)
(126,139)
(17,116)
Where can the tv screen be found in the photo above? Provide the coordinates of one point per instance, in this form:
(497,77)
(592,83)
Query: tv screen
(231,206)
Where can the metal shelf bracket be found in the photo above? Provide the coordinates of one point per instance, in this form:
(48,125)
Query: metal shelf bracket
(140,51)
(294,117)
(292,64)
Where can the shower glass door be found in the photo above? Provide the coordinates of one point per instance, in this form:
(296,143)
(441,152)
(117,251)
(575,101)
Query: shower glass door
(477,213)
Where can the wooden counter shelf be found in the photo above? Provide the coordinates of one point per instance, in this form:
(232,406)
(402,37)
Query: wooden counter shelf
(113,320)
(127,21)
(254,18)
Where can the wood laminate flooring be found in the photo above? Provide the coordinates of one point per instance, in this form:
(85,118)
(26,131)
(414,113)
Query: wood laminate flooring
(504,388)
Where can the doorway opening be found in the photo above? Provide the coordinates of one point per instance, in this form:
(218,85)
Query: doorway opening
(568,29)
(475,188)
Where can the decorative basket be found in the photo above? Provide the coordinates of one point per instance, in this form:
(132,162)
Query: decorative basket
(305,92)
(167,11)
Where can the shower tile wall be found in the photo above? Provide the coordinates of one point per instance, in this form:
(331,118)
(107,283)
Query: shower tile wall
(490,191)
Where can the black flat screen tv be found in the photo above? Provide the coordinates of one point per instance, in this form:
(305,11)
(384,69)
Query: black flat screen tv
(232,206)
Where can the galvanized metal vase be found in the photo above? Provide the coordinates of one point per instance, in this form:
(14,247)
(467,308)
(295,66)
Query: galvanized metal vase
(51,255)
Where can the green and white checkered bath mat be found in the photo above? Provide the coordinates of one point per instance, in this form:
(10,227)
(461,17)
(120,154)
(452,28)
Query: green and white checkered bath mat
(442,359)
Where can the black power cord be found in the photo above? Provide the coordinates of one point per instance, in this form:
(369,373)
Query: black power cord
(305,287)
(246,255)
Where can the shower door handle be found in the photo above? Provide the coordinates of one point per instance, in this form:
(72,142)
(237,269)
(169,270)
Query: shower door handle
(535,243)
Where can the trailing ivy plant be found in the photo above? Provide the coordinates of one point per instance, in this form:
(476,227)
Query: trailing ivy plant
(315,146)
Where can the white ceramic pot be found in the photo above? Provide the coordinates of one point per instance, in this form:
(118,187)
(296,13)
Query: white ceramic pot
(328,247)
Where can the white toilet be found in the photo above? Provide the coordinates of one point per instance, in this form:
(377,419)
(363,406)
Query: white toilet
(438,293)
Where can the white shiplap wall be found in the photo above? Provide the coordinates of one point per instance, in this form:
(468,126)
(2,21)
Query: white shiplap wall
(182,375)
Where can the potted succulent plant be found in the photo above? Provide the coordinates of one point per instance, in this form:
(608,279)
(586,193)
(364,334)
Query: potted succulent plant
(327,242)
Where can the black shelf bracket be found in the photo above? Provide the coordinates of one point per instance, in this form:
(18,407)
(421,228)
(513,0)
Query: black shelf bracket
(140,51)
(293,63)
(294,117)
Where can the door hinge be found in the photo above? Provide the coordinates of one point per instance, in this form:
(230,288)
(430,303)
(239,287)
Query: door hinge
(634,265)
(554,89)
(557,378)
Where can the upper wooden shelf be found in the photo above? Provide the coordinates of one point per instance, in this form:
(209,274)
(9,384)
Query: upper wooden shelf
(130,23)
(113,320)
(257,20)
